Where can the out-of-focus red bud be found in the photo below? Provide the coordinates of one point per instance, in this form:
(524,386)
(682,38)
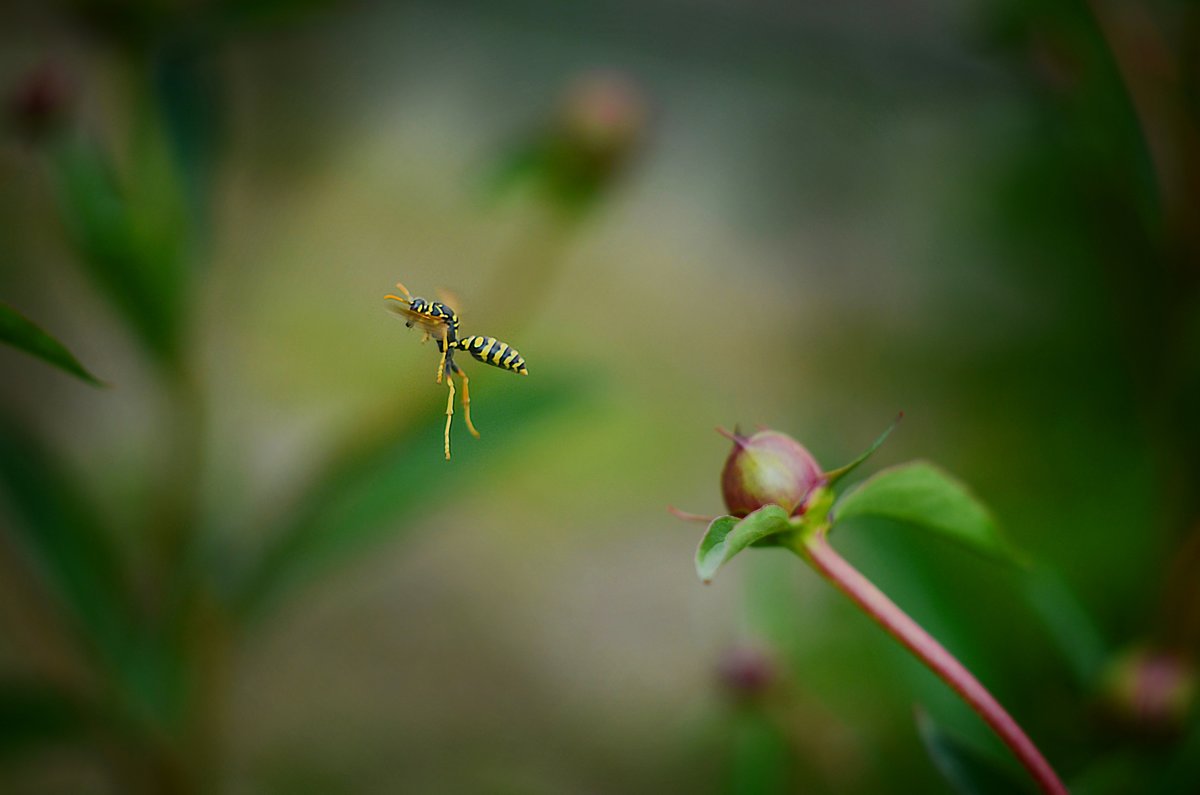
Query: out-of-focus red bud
(1151,690)
(604,113)
(768,468)
(747,672)
(40,103)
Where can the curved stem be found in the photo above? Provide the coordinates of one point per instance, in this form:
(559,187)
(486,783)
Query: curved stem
(814,548)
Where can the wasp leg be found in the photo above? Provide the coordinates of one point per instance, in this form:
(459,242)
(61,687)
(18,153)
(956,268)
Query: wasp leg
(449,414)
(442,368)
(466,401)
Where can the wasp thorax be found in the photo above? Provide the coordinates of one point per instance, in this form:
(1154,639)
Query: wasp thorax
(768,468)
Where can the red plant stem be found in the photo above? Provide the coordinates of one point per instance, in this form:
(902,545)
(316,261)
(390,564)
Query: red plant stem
(815,548)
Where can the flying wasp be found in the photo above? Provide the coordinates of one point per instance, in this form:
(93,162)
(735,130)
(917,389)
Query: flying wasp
(439,321)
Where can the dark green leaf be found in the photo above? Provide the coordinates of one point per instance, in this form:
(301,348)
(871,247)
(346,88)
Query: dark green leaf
(1179,773)
(968,771)
(835,475)
(188,91)
(921,494)
(131,234)
(34,713)
(1067,623)
(20,332)
(365,495)
(727,536)
(60,536)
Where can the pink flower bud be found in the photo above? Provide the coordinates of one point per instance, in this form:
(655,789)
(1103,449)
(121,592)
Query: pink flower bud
(1151,690)
(747,672)
(768,468)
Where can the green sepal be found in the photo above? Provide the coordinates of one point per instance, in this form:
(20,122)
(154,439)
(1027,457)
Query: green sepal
(728,535)
(834,475)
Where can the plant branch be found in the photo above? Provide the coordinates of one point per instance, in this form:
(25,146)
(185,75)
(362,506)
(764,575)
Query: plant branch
(815,549)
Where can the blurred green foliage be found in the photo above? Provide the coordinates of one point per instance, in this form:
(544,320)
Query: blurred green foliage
(796,216)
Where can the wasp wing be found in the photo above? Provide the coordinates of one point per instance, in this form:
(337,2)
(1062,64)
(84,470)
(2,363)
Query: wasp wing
(436,327)
(449,299)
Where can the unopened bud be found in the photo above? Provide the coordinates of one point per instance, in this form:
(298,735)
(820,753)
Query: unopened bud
(1151,690)
(768,468)
(747,672)
(40,104)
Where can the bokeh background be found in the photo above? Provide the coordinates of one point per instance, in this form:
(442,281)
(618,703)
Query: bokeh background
(242,565)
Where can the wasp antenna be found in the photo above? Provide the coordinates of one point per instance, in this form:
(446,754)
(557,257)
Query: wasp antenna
(405,292)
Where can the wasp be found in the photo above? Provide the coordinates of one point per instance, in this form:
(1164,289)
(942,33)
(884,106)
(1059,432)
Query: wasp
(439,321)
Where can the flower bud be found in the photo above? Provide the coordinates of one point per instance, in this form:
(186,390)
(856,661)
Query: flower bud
(747,672)
(768,468)
(1150,690)
(41,102)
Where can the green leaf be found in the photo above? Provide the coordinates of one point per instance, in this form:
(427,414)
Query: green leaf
(833,476)
(376,489)
(968,771)
(64,543)
(727,536)
(35,714)
(1067,623)
(921,494)
(20,332)
(132,233)
(188,93)
(760,756)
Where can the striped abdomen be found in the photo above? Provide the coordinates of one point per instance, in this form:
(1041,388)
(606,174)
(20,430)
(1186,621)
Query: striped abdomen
(494,352)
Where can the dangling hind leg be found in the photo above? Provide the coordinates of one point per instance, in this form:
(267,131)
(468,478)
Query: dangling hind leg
(449,414)
(466,398)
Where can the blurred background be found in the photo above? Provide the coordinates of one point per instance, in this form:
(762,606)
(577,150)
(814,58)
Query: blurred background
(241,563)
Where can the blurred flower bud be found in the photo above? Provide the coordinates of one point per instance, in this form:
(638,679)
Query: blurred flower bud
(39,105)
(768,468)
(576,155)
(1151,690)
(604,114)
(747,672)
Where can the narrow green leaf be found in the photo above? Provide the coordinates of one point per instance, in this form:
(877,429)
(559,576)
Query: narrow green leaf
(189,96)
(131,233)
(968,771)
(727,536)
(365,495)
(835,475)
(61,537)
(22,333)
(923,495)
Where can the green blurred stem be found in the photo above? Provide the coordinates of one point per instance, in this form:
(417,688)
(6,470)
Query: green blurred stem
(814,548)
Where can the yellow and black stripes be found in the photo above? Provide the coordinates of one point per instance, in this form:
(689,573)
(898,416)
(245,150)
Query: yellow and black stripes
(490,350)
(439,321)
